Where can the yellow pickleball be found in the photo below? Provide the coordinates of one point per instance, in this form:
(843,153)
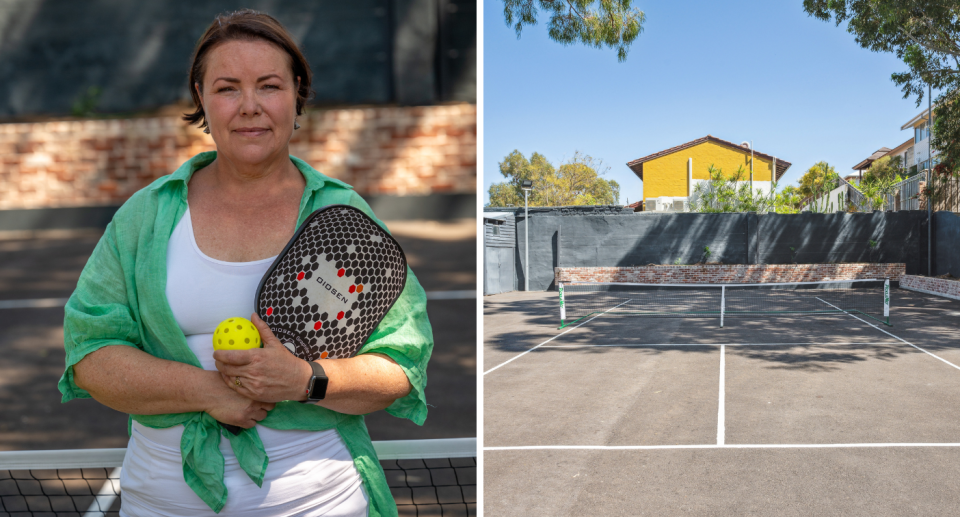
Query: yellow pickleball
(236,334)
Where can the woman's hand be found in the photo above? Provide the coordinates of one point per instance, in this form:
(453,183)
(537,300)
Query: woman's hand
(270,374)
(235,409)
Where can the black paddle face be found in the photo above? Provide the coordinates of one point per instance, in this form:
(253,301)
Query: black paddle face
(333,284)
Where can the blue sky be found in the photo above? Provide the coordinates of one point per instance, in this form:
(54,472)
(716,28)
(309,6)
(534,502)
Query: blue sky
(800,88)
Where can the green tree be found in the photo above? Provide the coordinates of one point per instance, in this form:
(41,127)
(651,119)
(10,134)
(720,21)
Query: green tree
(877,188)
(789,200)
(925,34)
(576,182)
(885,169)
(731,193)
(596,23)
(819,179)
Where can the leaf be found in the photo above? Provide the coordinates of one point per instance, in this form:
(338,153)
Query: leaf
(614,24)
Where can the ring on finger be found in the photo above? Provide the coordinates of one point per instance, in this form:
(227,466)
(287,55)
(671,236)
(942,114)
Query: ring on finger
(237,382)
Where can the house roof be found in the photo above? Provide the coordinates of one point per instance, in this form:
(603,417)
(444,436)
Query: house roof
(921,117)
(637,165)
(635,205)
(497,216)
(900,148)
(865,164)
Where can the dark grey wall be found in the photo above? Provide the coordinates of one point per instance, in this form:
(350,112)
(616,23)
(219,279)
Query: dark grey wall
(642,239)
(137,53)
(947,238)
(843,237)
(507,237)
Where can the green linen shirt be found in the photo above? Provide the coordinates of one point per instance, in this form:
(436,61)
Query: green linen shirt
(120,300)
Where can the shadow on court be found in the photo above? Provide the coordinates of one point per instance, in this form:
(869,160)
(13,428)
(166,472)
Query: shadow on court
(786,415)
(521,321)
(32,356)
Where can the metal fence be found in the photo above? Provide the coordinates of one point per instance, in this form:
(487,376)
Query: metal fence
(905,195)
(855,197)
(947,194)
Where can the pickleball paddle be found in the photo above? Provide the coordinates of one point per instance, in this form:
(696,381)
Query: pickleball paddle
(331,285)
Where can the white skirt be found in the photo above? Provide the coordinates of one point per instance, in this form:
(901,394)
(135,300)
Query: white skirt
(310,474)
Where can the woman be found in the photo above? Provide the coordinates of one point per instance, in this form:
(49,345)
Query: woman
(187,252)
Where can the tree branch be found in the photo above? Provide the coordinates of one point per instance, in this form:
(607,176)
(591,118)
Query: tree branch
(928,46)
(574,9)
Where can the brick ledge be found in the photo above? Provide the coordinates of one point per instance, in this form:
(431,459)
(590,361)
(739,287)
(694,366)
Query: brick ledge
(949,288)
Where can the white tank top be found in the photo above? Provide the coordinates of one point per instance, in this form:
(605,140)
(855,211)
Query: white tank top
(310,473)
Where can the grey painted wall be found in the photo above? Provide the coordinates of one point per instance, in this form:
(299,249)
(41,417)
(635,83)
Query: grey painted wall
(410,52)
(947,238)
(642,239)
(506,238)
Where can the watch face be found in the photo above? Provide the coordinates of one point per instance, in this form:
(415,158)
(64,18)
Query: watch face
(318,388)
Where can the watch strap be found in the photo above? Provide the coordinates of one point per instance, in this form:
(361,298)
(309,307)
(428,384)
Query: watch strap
(317,387)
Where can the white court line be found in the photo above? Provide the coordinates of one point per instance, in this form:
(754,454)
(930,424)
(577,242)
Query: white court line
(727,446)
(641,345)
(551,339)
(891,335)
(36,303)
(721,417)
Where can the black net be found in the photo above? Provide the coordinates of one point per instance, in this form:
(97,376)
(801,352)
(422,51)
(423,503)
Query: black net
(421,482)
(859,297)
(61,492)
(439,486)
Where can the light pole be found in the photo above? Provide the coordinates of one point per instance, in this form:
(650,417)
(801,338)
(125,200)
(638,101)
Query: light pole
(929,179)
(527,186)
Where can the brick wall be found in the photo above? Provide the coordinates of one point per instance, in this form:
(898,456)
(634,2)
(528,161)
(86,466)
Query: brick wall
(381,150)
(936,286)
(730,273)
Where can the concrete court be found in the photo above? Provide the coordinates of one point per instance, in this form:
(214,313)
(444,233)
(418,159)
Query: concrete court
(838,381)
(442,254)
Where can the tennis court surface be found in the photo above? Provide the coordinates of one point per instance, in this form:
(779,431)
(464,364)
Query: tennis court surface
(786,414)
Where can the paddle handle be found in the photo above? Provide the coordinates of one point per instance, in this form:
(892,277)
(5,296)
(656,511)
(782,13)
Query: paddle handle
(232,428)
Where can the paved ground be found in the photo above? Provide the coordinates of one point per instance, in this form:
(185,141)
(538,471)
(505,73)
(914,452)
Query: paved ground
(443,255)
(786,416)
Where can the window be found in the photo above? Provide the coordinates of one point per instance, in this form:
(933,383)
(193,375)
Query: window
(921,132)
(495,229)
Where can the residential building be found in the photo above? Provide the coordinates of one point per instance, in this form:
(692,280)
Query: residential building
(903,151)
(923,156)
(670,176)
(865,164)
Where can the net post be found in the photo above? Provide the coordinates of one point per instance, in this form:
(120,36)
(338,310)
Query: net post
(886,300)
(563,309)
(723,302)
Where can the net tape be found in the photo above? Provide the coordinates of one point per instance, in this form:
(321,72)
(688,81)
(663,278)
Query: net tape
(426,477)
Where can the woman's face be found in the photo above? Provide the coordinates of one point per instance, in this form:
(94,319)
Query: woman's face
(249,99)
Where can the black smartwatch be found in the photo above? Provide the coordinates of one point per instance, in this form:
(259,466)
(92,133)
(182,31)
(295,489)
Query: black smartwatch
(317,387)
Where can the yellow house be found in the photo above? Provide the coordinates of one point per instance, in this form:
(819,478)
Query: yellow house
(669,176)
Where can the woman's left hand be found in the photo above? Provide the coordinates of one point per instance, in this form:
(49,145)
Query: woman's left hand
(268,374)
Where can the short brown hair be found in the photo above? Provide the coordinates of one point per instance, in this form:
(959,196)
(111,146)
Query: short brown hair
(246,25)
